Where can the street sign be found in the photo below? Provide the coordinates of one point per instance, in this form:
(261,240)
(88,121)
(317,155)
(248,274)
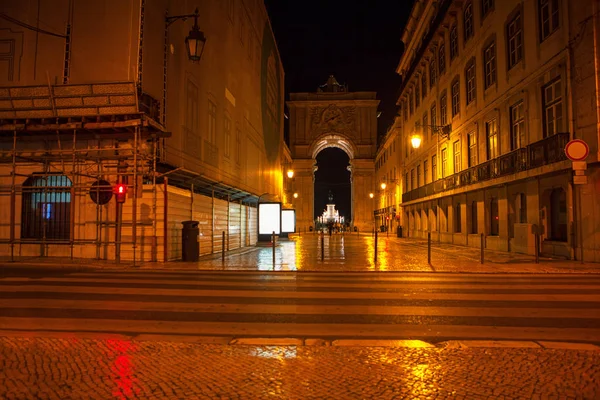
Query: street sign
(577,150)
(580,180)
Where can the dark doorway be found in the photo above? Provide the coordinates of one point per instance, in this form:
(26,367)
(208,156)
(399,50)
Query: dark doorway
(333,176)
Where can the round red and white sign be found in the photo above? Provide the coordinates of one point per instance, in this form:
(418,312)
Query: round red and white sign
(577,150)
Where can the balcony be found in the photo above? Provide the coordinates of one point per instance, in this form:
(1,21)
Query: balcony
(546,151)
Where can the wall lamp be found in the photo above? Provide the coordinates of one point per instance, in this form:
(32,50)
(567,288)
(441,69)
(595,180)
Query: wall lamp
(290,173)
(441,130)
(195,40)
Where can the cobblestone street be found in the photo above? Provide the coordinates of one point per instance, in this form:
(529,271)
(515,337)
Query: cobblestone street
(76,368)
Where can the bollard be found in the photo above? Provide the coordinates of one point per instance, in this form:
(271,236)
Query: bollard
(273,250)
(322,245)
(223,247)
(429,248)
(537,248)
(375,252)
(482,248)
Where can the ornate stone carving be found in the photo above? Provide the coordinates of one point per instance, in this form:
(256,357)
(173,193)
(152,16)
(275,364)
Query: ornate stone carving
(333,119)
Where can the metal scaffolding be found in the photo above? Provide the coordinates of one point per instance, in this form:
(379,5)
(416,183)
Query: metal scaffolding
(94,134)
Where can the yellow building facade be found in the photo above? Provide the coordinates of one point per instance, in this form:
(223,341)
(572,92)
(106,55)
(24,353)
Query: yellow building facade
(494,90)
(99,94)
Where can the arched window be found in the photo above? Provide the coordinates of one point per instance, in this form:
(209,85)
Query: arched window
(558,215)
(468,21)
(46,208)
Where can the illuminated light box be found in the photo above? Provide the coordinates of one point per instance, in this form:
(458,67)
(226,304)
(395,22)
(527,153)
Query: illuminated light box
(288,221)
(269,220)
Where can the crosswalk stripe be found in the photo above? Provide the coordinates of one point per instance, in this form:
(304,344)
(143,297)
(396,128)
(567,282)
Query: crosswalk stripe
(302,283)
(299,330)
(300,309)
(302,294)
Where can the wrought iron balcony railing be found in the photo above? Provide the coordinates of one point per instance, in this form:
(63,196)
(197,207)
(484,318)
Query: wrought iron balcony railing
(545,151)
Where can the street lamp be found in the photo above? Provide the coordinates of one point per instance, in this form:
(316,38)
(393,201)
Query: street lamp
(195,40)
(371,195)
(290,173)
(383,185)
(295,195)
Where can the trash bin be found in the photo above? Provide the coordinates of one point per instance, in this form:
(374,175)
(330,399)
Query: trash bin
(189,241)
(399,231)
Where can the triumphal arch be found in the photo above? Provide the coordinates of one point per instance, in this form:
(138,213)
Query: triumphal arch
(334,117)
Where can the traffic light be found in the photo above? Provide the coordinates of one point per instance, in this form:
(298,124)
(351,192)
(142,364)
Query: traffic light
(121,192)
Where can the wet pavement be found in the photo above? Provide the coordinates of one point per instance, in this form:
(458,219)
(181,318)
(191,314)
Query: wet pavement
(75,368)
(353,252)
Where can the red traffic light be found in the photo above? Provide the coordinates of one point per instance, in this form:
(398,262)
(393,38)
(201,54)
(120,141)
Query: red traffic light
(121,192)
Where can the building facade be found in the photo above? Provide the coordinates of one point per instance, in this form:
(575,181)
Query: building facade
(494,90)
(103,93)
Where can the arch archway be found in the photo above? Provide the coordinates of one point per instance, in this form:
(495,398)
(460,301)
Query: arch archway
(334,117)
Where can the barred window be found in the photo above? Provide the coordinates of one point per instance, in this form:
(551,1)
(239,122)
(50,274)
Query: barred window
(489,64)
(46,208)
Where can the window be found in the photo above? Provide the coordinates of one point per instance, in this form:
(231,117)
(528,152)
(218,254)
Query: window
(453,42)
(491,133)
(548,17)
(424,83)
(432,112)
(434,174)
(489,64)
(457,157)
(238,146)
(46,207)
(212,118)
(468,22)
(410,103)
(522,198)
(425,127)
(406,182)
(470,81)
(226,136)
(552,103)
(418,175)
(455,97)
(514,33)
(558,215)
(413,183)
(417,95)
(443,111)
(486,7)
(472,142)
(425,171)
(444,162)
(517,126)
(457,218)
(494,217)
(432,73)
(474,221)
(442,58)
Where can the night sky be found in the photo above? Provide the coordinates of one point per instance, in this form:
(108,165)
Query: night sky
(360,43)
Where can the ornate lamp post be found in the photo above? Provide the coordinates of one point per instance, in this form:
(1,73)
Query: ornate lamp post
(195,40)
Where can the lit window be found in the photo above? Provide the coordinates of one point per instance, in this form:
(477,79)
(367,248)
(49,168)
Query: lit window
(444,162)
(491,133)
(517,126)
(472,142)
(457,157)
